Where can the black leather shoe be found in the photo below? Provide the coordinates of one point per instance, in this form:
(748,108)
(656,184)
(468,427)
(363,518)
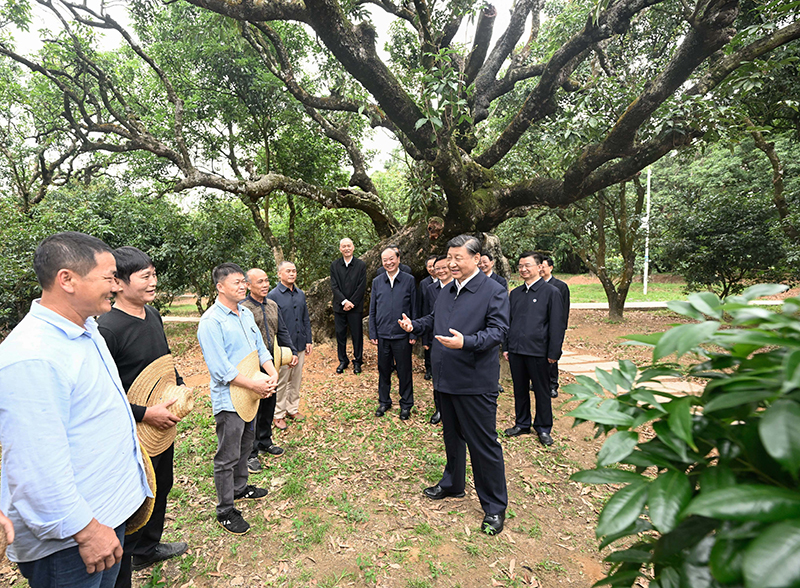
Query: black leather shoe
(553,392)
(436,418)
(516,431)
(405,414)
(428,375)
(160,553)
(356,368)
(500,388)
(342,366)
(437,493)
(493,524)
(381,410)
(545,439)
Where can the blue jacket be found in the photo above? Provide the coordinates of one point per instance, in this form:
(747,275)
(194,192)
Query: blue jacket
(537,321)
(387,305)
(500,280)
(480,313)
(293,307)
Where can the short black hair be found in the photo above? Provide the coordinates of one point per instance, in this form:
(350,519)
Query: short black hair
(68,250)
(485,253)
(470,243)
(536,256)
(131,260)
(548,259)
(433,257)
(440,258)
(223,270)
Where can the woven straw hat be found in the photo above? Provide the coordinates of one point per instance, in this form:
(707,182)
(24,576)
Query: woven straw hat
(244,400)
(142,515)
(280,355)
(3,543)
(154,385)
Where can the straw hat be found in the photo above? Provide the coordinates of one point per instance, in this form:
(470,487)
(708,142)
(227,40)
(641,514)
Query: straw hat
(3,543)
(244,400)
(154,385)
(142,515)
(280,355)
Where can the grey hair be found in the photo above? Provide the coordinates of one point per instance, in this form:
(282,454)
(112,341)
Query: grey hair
(284,263)
(472,245)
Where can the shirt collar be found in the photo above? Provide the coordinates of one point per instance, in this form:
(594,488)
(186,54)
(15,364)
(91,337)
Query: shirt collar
(535,283)
(224,308)
(347,263)
(253,300)
(70,329)
(283,288)
(461,285)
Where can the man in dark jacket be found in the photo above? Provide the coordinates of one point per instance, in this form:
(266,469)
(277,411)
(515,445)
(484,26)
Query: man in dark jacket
(487,267)
(534,341)
(422,291)
(444,277)
(270,322)
(393,293)
(547,275)
(348,282)
(469,321)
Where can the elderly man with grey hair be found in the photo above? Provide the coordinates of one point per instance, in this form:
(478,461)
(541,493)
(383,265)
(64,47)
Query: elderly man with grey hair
(291,301)
(469,320)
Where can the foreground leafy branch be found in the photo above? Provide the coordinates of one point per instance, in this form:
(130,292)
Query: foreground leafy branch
(712,499)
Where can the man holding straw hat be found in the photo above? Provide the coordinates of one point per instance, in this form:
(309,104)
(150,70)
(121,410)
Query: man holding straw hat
(134,333)
(233,349)
(73,471)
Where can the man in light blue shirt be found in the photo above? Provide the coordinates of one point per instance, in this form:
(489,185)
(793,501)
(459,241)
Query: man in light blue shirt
(72,468)
(227,334)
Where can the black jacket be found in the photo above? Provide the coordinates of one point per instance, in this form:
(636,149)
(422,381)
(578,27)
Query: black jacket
(348,282)
(537,321)
(387,305)
(564,289)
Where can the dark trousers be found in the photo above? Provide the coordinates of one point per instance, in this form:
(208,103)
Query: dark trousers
(536,370)
(428,367)
(437,401)
(395,351)
(470,420)
(143,542)
(553,375)
(65,569)
(234,443)
(262,438)
(352,320)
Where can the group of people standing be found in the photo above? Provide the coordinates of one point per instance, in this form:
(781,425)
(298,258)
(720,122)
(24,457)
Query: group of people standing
(64,376)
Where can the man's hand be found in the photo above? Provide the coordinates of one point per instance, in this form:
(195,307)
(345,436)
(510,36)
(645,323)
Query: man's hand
(159,417)
(264,386)
(405,324)
(8,527)
(505,355)
(373,341)
(294,362)
(309,347)
(412,341)
(552,360)
(347,306)
(454,342)
(426,347)
(98,547)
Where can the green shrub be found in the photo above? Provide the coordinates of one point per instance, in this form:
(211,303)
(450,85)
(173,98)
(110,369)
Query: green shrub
(712,499)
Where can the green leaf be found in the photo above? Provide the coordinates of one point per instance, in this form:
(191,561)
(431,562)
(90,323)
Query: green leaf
(579,391)
(669,494)
(606,476)
(791,368)
(671,440)
(629,555)
(707,303)
(685,309)
(588,382)
(621,379)
(606,380)
(420,122)
(779,430)
(622,509)
(651,374)
(726,559)
(747,502)
(647,397)
(715,478)
(639,526)
(771,560)
(669,578)
(683,338)
(732,399)
(628,370)
(760,290)
(649,340)
(617,447)
(680,420)
(601,415)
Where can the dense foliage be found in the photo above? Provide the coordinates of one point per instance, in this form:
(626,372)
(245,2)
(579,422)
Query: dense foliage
(711,499)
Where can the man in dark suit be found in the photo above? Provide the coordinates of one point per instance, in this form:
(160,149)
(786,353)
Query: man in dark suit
(403,267)
(444,277)
(422,291)
(547,275)
(487,267)
(533,343)
(469,321)
(348,282)
(393,293)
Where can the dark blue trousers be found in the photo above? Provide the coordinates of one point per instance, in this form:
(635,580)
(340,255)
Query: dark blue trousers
(470,420)
(553,375)
(396,351)
(536,370)
(352,320)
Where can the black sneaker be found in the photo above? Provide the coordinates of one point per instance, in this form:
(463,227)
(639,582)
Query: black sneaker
(252,493)
(273,450)
(254,466)
(233,522)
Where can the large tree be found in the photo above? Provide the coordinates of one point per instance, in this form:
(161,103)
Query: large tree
(462,114)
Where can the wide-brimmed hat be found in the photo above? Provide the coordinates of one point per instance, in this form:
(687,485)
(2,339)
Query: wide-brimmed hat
(3,543)
(154,385)
(139,518)
(244,400)
(281,355)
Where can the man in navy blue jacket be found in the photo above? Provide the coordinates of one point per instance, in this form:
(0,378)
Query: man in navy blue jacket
(534,342)
(393,293)
(547,275)
(444,277)
(422,291)
(469,321)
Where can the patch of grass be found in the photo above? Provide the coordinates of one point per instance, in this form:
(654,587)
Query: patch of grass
(351,512)
(655,292)
(309,529)
(535,530)
(182,338)
(548,565)
(418,583)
